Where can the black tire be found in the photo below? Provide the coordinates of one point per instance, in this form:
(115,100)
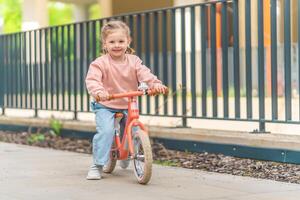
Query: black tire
(143,156)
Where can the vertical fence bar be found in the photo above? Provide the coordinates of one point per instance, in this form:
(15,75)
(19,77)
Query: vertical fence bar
(213,59)
(287,60)
(21,68)
(57,76)
(18,70)
(4,38)
(139,47)
(147,52)
(81,57)
(51,68)
(41,66)
(99,47)
(35,75)
(46,68)
(5,77)
(94,43)
(69,66)
(12,69)
(1,71)
(88,60)
(9,64)
(183,64)
(139,35)
(131,26)
(10,82)
(52,50)
(203,59)
(30,71)
(16,74)
(25,70)
(17,67)
(155,53)
(6,72)
(261,73)
(236,58)
(248,58)
(2,83)
(4,68)
(20,50)
(165,56)
(173,61)
(6,85)
(224,38)
(193,62)
(75,70)
(63,80)
(94,40)
(274,59)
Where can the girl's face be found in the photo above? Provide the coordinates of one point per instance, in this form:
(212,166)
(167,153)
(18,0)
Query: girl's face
(116,44)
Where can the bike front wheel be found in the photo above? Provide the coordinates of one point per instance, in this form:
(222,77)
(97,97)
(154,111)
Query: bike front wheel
(142,156)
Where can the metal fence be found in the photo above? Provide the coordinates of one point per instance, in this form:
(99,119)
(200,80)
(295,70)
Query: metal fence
(196,50)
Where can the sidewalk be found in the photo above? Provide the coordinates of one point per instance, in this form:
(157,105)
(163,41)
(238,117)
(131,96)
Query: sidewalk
(32,173)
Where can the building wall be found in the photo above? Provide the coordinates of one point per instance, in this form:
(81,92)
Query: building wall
(123,6)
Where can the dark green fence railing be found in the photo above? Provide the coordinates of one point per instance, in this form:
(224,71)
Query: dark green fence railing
(218,59)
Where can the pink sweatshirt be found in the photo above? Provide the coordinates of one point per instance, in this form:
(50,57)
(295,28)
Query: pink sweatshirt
(105,74)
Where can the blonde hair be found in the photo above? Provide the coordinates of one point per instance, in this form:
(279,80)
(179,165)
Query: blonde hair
(111,26)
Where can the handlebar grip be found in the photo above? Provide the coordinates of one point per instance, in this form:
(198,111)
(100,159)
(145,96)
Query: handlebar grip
(154,92)
(110,97)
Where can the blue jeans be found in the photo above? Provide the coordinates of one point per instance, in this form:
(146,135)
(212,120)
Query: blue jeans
(103,138)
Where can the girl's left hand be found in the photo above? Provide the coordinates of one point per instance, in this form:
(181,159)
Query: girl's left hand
(160,88)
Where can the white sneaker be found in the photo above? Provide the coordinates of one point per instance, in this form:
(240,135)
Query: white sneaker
(94,173)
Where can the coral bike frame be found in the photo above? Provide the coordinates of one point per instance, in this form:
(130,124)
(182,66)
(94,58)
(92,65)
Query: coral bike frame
(135,143)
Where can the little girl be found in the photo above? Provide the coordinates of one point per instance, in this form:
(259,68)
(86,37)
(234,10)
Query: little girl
(116,71)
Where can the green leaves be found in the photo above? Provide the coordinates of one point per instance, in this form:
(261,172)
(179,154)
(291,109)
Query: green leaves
(59,13)
(56,126)
(34,138)
(12,14)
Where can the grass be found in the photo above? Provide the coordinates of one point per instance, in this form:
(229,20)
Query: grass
(169,163)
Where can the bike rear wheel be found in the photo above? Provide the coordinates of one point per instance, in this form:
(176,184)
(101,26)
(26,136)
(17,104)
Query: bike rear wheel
(142,156)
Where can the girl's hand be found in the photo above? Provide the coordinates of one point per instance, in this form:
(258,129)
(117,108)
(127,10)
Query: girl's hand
(160,88)
(102,96)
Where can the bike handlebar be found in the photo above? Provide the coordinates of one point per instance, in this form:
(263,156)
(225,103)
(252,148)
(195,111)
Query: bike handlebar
(135,93)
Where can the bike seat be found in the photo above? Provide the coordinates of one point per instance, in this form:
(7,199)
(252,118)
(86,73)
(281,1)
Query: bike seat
(119,115)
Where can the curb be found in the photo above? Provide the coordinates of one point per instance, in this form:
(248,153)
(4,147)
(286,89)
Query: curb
(274,147)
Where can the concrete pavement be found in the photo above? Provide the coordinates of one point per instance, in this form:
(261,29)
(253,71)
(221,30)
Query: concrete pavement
(32,173)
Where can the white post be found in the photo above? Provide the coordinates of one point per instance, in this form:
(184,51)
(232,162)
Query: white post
(106,8)
(35,14)
(81,12)
(1,24)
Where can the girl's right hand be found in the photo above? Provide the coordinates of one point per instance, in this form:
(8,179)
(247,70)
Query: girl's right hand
(102,96)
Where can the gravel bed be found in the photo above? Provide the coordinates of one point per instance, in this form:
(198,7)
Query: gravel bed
(202,161)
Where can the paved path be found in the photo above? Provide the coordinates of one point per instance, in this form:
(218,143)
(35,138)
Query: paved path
(32,173)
